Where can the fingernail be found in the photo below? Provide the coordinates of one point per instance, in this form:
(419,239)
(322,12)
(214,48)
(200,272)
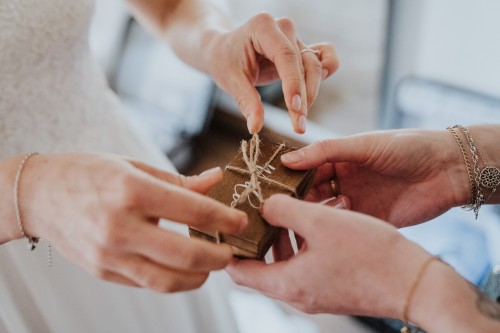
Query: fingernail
(302,123)
(292,157)
(243,223)
(210,172)
(341,204)
(250,124)
(325,74)
(296,103)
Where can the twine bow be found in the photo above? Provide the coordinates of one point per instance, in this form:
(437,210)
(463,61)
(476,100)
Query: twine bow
(251,151)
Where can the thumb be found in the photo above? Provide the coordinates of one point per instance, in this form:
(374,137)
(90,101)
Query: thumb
(286,212)
(354,148)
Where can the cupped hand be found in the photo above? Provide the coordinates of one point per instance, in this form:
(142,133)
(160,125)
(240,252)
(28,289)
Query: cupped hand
(264,50)
(102,212)
(404,176)
(349,263)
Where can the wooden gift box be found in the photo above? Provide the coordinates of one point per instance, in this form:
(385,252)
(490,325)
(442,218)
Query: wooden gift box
(273,177)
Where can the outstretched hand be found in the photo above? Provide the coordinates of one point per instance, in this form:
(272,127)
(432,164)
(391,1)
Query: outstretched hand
(404,177)
(102,212)
(264,50)
(348,263)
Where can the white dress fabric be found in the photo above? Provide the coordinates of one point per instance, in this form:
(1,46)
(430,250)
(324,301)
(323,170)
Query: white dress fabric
(54,98)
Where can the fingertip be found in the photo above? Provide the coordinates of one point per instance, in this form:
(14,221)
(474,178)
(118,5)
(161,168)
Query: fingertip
(254,124)
(272,202)
(293,157)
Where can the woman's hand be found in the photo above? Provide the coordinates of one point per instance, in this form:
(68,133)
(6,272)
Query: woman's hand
(261,51)
(404,177)
(350,263)
(264,50)
(102,212)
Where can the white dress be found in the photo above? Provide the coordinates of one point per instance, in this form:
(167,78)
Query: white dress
(54,98)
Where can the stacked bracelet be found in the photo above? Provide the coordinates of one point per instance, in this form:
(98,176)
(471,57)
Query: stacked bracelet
(487,178)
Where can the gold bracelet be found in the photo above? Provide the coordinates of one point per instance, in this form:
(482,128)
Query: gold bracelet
(32,241)
(425,265)
(473,188)
(487,178)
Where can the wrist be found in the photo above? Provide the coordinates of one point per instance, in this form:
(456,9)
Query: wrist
(15,188)
(455,152)
(445,302)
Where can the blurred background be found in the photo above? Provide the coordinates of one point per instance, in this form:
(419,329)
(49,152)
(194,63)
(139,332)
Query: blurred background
(427,63)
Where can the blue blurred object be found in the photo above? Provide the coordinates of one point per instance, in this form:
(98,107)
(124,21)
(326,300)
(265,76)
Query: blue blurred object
(458,240)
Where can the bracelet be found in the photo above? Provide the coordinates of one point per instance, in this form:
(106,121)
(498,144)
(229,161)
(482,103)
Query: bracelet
(468,167)
(423,268)
(32,241)
(486,178)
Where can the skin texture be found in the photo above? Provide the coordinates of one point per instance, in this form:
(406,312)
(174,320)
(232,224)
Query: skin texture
(101,211)
(261,51)
(351,263)
(404,177)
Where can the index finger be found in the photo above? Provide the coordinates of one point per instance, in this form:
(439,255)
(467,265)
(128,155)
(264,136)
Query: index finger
(349,149)
(275,46)
(163,200)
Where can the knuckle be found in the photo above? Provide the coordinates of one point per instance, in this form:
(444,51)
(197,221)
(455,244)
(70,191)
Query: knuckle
(286,50)
(102,274)
(148,279)
(205,213)
(113,237)
(315,66)
(98,257)
(262,19)
(286,25)
(190,258)
(165,286)
(127,194)
(324,147)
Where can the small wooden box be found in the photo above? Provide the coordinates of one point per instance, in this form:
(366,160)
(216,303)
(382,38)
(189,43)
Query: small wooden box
(257,238)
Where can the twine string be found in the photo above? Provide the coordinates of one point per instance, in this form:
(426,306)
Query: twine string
(250,152)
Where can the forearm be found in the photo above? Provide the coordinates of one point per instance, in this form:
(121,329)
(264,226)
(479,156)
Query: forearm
(445,302)
(187,25)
